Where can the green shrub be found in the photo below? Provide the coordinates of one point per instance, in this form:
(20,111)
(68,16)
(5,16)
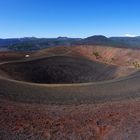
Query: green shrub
(96,54)
(136,64)
(112,59)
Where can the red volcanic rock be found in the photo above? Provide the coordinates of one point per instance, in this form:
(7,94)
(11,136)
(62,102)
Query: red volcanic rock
(110,121)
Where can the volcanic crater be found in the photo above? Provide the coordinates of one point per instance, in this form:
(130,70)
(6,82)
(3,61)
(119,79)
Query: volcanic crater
(59,70)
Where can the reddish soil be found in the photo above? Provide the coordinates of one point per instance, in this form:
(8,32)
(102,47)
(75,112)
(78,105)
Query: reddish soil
(9,56)
(110,121)
(109,55)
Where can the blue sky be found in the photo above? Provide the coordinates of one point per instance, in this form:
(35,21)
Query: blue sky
(73,18)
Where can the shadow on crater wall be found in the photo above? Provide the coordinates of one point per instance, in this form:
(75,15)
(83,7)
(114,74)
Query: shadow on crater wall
(59,70)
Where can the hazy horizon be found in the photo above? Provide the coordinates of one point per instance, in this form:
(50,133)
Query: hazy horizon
(131,36)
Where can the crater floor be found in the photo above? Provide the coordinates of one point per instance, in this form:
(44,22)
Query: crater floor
(60,70)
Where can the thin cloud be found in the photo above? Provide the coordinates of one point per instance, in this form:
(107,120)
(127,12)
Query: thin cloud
(130,35)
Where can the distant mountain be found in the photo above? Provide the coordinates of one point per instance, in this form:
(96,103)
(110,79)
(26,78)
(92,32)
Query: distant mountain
(133,42)
(125,42)
(6,42)
(94,40)
(32,43)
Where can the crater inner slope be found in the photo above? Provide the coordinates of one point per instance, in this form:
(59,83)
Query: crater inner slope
(59,70)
